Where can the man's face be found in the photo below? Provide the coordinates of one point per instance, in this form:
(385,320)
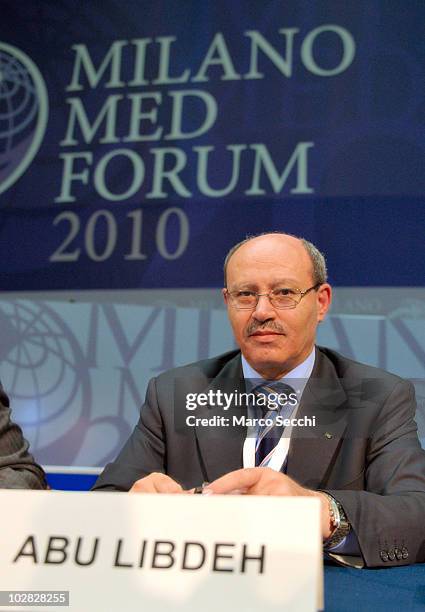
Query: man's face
(274,341)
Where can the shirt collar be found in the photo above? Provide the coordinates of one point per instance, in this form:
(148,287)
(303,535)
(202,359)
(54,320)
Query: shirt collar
(299,375)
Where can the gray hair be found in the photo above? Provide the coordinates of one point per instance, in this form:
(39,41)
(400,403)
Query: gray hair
(318,262)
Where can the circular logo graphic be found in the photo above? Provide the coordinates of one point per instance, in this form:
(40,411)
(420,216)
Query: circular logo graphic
(24,110)
(47,378)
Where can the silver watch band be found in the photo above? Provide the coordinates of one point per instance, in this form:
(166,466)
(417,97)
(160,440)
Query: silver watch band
(339,521)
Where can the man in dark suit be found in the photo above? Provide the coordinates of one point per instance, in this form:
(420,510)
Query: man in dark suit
(18,469)
(361,455)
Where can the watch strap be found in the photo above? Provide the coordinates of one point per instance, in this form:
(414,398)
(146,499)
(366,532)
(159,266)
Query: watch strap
(339,521)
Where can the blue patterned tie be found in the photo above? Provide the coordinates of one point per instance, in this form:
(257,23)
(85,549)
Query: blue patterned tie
(270,435)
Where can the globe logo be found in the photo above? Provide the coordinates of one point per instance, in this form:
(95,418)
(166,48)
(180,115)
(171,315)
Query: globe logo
(47,378)
(24,111)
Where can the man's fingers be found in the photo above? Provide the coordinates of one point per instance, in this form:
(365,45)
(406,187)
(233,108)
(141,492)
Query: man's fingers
(143,486)
(156,483)
(254,481)
(239,480)
(171,487)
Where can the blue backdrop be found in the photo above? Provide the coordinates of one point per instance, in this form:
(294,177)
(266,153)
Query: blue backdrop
(139,140)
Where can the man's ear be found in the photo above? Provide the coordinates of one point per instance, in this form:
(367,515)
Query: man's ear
(324,300)
(225,296)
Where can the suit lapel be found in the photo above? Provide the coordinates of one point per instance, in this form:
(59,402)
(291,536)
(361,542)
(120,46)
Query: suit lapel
(312,452)
(221,447)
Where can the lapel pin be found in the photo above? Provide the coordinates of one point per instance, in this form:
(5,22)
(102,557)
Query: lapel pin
(328,435)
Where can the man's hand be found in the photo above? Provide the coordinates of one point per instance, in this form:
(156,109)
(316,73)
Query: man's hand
(156,483)
(265,481)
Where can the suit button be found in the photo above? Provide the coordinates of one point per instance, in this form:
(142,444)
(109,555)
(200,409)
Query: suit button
(391,554)
(398,553)
(404,552)
(384,555)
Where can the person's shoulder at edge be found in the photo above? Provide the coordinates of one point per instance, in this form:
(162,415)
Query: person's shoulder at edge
(18,469)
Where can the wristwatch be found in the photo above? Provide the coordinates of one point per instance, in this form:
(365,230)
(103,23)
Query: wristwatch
(339,522)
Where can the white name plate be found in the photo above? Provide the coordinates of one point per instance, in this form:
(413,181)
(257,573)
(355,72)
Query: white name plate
(159,553)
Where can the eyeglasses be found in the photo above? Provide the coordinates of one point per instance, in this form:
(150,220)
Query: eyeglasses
(282,298)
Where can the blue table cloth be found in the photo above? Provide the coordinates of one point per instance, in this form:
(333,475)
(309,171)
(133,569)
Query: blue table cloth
(392,588)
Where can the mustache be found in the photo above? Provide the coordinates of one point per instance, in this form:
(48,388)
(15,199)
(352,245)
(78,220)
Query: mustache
(271,326)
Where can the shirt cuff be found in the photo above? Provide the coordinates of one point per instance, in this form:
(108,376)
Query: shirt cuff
(348,546)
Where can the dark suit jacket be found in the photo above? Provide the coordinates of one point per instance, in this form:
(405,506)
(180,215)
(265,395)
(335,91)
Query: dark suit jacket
(18,469)
(364,449)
